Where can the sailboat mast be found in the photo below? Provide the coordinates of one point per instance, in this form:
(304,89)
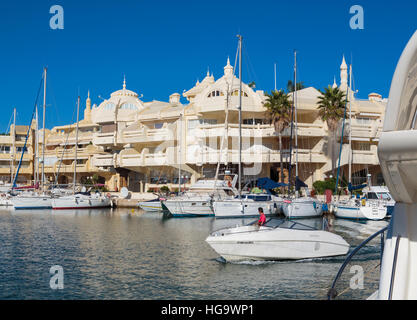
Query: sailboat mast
(179,152)
(350,125)
(44,134)
(36,165)
(240,116)
(76,144)
(14,145)
(295,113)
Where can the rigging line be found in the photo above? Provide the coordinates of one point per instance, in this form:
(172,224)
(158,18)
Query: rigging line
(226,124)
(250,68)
(52,93)
(65,148)
(27,134)
(10,122)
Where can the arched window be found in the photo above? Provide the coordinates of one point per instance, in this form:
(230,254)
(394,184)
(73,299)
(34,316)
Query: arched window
(128,106)
(236,93)
(215,93)
(109,106)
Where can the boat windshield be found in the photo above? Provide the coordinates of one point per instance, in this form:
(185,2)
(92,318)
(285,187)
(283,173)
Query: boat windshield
(384,196)
(287,224)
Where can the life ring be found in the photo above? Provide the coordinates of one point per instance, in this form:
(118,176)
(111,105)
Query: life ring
(229,184)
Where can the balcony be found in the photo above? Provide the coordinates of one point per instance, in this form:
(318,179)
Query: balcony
(103,160)
(104,139)
(143,160)
(258,130)
(255,156)
(362,132)
(145,135)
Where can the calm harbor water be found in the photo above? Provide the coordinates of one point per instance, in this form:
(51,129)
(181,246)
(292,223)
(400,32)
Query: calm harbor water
(120,254)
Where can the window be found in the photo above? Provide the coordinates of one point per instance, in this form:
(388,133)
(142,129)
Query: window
(253,121)
(109,106)
(128,106)
(372,195)
(363,120)
(192,124)
(158,125)
(20,149)
(4,149)
(215,93)
(236,93)
(364,146)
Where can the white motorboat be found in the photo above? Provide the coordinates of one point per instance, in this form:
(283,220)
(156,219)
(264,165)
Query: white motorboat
(151,205)
(382,194)
(197,202)
(278,239)
(246,206)
(82,201)
(360,209)
(303,207)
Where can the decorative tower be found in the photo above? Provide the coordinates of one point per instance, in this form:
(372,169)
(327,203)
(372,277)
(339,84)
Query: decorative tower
(228,69)
(334,83)
(87,111)
(343,75)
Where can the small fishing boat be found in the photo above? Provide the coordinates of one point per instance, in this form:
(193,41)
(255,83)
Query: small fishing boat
(277,239)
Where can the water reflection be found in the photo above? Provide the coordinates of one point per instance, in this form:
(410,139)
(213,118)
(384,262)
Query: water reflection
(125,254)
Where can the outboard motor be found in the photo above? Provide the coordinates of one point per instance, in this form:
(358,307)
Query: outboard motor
(397,153)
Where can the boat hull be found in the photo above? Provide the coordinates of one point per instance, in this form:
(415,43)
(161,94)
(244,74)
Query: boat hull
(32,203)
(360,213)
(302,209)
(262,243)
(237,209)
(71,202)
(150,206)
(188,208)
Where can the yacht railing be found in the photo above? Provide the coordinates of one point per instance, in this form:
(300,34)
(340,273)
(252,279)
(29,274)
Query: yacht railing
(332,293)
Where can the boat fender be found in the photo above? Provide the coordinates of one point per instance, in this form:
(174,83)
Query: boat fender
(363,202)
(108,195)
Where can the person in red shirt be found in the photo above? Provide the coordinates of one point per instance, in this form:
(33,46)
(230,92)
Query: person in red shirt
(262,218)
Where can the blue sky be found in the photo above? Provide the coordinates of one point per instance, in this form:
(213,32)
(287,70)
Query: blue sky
(165,46)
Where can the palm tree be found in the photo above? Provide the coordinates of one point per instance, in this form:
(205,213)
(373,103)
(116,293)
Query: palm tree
(278,107)
(331,108)
(290,86)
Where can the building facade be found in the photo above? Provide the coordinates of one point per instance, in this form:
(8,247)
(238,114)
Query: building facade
(125,142)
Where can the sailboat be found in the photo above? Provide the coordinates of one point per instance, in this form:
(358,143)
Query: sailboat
(33,200)
(197,201)
(300,207)
(81,200)
(356,208)
(246,205)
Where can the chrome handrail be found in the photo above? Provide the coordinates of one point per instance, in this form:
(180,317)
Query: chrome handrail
(332,293)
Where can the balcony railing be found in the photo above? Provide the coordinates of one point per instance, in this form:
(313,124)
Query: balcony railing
(144,135)
(258,130)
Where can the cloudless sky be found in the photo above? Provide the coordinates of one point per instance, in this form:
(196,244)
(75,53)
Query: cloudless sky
(165,46)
